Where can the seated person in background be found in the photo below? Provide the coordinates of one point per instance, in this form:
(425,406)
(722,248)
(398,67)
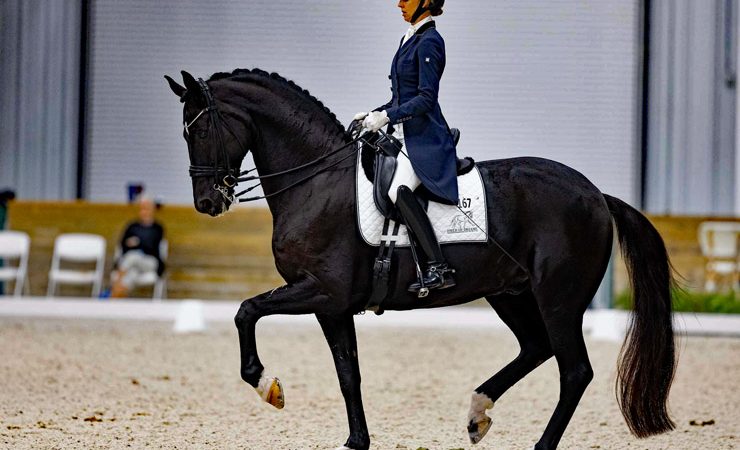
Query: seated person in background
(139,250)
(5,197)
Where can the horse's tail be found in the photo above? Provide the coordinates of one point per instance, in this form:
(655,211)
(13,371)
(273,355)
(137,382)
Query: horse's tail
(647,361)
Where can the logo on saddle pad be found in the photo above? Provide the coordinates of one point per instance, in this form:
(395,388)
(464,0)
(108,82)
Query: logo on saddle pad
(462,223)
(452,223)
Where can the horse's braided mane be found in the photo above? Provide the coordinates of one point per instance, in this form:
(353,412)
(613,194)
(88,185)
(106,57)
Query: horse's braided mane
(285,82)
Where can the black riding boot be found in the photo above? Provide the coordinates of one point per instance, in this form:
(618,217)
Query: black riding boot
(438,274)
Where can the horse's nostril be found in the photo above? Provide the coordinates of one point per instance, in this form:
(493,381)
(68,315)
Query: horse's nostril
(205,205)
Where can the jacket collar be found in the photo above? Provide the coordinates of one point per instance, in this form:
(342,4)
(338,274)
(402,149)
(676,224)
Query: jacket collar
(419,32)
(425,27)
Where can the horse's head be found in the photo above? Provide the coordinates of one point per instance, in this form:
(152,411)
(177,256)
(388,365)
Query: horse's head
(218,139)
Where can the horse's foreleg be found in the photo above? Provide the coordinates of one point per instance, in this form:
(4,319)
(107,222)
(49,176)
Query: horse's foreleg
(521,314)
(340,335)
(303,297)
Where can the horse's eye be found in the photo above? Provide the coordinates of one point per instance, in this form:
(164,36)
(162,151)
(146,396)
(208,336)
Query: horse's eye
(202,134)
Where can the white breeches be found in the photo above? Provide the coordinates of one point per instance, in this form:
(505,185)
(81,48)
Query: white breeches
(134,264)
(405,175)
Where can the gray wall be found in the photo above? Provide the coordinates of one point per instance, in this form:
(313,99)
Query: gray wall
(691,141)
(39,73)
(557,79)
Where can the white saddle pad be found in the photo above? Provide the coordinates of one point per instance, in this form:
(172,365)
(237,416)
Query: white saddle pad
(450,223)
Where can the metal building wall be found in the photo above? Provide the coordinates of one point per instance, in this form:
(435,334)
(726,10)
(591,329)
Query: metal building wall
(692,94)
(39,94)
(557,79)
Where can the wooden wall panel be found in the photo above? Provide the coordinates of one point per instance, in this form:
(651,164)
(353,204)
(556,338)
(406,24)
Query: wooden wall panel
(681,236)
(231,258)
(212,258)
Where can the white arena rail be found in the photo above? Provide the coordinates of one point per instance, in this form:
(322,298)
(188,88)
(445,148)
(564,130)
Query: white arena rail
(605,324)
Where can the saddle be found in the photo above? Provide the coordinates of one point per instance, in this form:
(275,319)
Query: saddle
(379,155)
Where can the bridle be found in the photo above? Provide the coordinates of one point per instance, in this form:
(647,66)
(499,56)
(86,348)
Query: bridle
(225,184)
(233,176)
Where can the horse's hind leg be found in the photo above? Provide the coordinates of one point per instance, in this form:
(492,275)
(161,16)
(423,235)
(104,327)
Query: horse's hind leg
(521,314)
(563,318)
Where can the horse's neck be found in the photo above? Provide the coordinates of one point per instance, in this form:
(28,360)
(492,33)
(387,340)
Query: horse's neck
(287,149)
(315,213)
(287,143)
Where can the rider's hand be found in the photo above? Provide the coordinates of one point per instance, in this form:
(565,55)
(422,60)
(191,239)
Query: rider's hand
(359,116)
(375,120)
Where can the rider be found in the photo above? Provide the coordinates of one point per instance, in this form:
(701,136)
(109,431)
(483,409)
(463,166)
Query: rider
(415,119)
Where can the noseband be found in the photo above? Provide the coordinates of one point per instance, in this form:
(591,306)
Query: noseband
(226,176)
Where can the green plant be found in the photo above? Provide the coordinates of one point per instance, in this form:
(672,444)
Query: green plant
(691,301)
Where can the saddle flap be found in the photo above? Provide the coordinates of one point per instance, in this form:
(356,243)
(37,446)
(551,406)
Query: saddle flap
(385,169)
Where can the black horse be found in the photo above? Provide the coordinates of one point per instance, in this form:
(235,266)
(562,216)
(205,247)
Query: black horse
(555,227)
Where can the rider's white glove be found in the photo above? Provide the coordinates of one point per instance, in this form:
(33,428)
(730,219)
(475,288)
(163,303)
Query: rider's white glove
(376,120)
(359,116)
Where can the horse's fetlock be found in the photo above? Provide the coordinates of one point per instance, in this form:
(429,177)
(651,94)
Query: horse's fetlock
(252,373)
(358,442)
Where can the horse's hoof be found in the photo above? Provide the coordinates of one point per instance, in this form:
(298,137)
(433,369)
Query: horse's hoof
(271,391)
(478,430)
(478,422)
(343,448)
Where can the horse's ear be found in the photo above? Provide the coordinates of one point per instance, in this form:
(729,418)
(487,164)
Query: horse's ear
(176,88)
(190,83)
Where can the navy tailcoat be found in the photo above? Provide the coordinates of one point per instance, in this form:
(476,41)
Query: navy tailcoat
(415,74)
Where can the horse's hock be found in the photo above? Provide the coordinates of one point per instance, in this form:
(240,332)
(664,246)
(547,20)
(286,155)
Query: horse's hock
(225,258)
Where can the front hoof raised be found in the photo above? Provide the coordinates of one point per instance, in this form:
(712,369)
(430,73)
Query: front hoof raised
(271,391)
(478,422)
(477,430)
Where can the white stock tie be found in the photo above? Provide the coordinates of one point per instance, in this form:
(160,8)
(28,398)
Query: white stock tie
(408,34)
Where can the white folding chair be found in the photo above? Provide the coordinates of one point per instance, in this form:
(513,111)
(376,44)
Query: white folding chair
(158,283)
(15,245)
(78,248)
(718,243)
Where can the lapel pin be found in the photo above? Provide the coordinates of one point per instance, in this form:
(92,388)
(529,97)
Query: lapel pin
(427,60)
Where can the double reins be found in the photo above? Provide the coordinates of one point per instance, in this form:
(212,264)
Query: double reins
(233,176)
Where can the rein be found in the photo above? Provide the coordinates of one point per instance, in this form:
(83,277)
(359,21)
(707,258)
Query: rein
(232,176)
(295,169)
